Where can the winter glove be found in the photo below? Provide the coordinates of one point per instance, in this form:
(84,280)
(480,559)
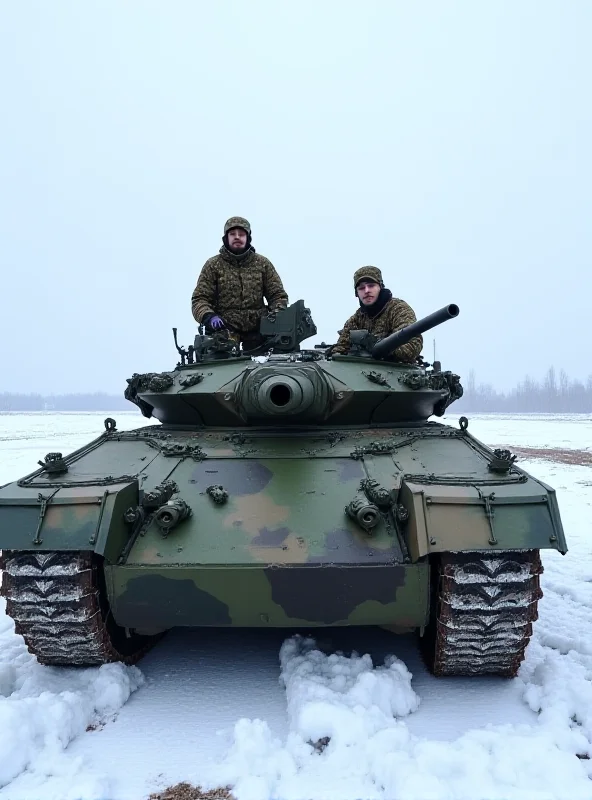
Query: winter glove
(215,322)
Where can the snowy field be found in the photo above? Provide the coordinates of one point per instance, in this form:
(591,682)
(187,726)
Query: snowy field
(569,431)
(239,708)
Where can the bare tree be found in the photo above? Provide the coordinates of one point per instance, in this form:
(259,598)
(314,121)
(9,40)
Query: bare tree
(552,395)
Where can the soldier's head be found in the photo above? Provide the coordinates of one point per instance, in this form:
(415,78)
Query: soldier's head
(237,235)
(367,284)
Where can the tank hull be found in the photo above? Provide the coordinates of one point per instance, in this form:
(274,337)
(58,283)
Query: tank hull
(411,527)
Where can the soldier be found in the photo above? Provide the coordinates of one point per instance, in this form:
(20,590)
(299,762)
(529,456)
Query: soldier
(233,285)
(380,314)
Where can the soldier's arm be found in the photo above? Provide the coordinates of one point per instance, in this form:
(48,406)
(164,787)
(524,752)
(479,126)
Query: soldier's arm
(342,345)
(400,315)
(273,288)
(204,294)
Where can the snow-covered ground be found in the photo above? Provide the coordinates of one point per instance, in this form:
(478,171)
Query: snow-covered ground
(27,438)
(239,708)
(529,430)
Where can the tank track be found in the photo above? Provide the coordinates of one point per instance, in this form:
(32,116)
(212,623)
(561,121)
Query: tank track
(59,608)
(485,606)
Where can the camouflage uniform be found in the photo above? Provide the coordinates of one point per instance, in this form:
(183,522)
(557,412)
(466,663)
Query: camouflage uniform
(235,286)
(395,315)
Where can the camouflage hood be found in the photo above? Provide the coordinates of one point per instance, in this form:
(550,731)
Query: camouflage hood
(229,255)
(237,222)
(369,273)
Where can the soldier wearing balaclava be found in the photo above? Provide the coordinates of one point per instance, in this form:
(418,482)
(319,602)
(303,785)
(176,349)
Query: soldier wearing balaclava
(380,314)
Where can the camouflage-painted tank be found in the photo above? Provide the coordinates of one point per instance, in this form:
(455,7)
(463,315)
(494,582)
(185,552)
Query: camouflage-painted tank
(299,491)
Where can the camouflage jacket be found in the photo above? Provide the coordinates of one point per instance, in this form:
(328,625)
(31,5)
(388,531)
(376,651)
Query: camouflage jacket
(235,288)
(395,315)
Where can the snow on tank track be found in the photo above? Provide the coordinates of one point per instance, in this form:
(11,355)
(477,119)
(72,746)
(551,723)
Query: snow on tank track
(486,605)
(56,604)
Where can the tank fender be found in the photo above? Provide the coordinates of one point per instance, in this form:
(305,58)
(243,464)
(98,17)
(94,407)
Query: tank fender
(68,518)
(481,517)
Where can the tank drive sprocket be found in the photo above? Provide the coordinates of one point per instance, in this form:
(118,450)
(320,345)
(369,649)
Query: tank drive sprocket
(484,607)
(59,606)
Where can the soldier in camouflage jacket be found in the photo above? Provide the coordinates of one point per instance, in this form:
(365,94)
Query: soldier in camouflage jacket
(233,285)
(380,314)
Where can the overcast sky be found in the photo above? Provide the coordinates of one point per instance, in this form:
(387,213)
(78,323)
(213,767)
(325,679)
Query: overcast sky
(448,143)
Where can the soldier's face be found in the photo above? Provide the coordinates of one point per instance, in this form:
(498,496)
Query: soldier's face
(368,292)
(237,238)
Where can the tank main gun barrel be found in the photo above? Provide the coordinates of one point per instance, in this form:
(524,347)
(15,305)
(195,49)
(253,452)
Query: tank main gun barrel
(390,343)
(284,394)
(291,393)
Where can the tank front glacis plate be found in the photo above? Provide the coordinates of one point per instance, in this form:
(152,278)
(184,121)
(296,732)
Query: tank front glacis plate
(280,550)
(279,511)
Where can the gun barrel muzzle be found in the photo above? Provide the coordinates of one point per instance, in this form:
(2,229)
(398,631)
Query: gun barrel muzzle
(284,394)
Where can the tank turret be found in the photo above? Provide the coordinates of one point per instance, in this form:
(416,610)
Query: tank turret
(297,489)
(297,386)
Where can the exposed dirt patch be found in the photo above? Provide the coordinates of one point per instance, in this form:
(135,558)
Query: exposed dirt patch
(96,726)
(185,791)
(320,744)
(582,458)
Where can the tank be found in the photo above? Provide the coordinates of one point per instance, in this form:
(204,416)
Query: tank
(299,489)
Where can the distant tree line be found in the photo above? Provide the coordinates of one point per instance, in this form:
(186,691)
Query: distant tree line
(556,393)
(98,401)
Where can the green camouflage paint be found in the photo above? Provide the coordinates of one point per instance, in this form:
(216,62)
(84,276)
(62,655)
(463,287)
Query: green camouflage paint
(335,513)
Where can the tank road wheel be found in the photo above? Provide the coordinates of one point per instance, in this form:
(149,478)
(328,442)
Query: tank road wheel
(483,607)
(59,605)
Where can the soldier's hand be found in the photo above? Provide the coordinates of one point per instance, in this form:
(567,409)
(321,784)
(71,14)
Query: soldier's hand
(216,322)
